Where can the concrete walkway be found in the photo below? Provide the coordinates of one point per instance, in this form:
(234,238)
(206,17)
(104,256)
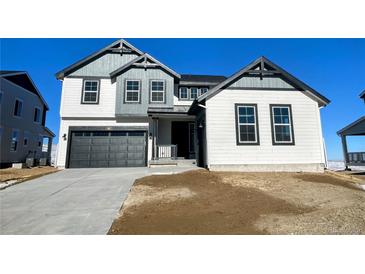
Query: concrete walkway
(72,201)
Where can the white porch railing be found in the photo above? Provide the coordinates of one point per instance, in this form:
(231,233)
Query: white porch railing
(166,151)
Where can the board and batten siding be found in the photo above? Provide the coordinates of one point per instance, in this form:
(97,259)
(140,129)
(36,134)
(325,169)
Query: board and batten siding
(71,99)
(145,77)
(66,123)
(104,65)
(221,130)
(265,82)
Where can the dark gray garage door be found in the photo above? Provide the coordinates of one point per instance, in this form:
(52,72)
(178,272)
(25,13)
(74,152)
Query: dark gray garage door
(107,149)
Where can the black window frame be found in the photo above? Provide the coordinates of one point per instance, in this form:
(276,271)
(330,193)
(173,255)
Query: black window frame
(126,91)
(16,108)
(14,144)
(151,92)
(83,92)
(237,124)
(35,115)
(291,124)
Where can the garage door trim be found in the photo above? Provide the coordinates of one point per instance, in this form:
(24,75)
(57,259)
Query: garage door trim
(109,128)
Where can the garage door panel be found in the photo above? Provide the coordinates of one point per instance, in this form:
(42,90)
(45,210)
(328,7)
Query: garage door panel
(107,149)
(118,156)
(99,163)
(99,148)
(79,156)
(121,163)
(100,141)
(135,163)
(118,148)
(119,140)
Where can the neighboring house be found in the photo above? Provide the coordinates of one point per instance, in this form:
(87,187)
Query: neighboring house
(122,107)
(23,117)
(356,128)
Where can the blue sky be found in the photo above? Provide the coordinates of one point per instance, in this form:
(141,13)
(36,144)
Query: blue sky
(334,67)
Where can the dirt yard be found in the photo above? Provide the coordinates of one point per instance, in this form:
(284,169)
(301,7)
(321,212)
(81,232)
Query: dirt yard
(203,202)
(24,174)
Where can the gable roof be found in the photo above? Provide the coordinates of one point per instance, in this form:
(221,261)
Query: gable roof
(355,128)
(362,95)
(144,61)
(118,46)
(263,66)
(22,79)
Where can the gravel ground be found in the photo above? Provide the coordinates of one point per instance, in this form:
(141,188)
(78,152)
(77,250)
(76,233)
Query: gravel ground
(7,174)
(203,202)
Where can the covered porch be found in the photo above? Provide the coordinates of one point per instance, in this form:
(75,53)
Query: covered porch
(356,158)
(173,134)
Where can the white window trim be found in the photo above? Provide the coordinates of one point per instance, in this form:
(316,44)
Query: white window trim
(21,112)
(200,91)
(37,122)
(286,124)
(90,91)
(17,139)
(197,93)
(187,93)
(126,91)
(243,124)
(157,91)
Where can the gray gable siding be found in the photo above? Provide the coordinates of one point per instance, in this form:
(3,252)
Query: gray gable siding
(265,82)
(145,76)
(104,65)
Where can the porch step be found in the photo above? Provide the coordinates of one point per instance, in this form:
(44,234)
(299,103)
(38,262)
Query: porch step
(171,162)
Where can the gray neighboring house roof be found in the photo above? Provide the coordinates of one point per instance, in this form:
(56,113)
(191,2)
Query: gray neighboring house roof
(353,125)
(144,58)
(22,79)
(120,45)
(277,70)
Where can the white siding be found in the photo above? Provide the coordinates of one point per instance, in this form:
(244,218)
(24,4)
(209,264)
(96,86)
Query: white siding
(221,129)
(178,102)
(71,99)
(65,124)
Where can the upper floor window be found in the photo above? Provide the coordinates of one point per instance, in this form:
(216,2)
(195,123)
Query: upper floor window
(37,115)
(14,140)
(183,93)
(26,139)
(247,125)
(203,91)
(157,91)
(193,93)
(282,125)
(18,107)
(90,92)
(132,91)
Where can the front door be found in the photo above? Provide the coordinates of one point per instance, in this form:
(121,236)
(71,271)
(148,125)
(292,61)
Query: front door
(182,135)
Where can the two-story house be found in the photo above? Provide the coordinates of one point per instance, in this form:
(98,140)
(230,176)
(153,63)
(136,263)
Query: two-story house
(23,117)
(121,107)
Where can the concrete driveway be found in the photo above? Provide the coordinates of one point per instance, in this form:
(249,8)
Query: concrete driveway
(72,201)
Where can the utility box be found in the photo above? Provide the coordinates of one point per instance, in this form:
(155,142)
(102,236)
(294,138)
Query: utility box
(29,162)
(43,161)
